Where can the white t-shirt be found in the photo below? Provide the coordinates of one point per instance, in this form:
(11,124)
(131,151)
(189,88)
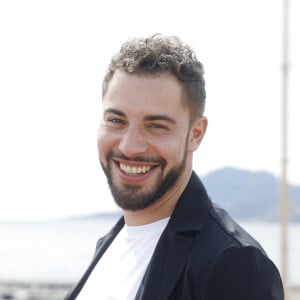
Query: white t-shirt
(119,272)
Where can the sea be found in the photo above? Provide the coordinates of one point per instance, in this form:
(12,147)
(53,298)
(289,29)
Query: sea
(58,251)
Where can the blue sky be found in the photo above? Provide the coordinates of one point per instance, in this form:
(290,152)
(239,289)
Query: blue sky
(53,55)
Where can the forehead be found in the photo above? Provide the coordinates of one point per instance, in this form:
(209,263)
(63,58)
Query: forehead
(162,93)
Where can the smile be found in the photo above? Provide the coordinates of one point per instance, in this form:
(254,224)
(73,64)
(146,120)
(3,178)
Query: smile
(135,170)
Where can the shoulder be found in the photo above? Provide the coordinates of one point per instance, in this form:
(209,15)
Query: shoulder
(225,228)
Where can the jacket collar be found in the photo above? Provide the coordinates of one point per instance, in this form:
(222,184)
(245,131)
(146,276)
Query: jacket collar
(174,246)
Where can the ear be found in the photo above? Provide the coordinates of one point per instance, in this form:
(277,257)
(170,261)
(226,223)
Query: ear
(197,133)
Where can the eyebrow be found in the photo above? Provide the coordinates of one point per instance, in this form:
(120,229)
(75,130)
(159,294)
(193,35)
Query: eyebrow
(160,117)
(114,111)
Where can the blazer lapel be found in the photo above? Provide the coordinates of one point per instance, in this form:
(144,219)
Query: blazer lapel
(165,268)
(175,244)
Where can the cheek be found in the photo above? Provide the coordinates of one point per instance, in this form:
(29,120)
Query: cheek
(105,142)
(172,150)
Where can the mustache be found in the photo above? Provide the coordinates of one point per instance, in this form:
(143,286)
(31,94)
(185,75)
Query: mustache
(156,160)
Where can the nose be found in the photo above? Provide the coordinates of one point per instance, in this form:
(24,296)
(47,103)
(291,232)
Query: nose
(133,142)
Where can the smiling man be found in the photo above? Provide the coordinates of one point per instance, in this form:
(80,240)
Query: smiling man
(145,144)
(172,241)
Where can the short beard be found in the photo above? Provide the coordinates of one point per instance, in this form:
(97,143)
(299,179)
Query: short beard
(130,197)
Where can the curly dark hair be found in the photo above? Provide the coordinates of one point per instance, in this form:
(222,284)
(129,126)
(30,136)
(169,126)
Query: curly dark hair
(163,54)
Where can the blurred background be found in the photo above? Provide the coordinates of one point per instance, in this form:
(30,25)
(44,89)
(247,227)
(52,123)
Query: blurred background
(55,202)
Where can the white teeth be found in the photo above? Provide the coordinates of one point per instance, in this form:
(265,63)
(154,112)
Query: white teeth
(134,170)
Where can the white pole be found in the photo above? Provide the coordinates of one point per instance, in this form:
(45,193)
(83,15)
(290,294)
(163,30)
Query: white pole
(284,185)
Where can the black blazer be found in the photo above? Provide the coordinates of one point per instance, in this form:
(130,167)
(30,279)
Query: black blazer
(202,254)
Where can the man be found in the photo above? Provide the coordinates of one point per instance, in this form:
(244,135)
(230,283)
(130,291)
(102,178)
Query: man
(172,242)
